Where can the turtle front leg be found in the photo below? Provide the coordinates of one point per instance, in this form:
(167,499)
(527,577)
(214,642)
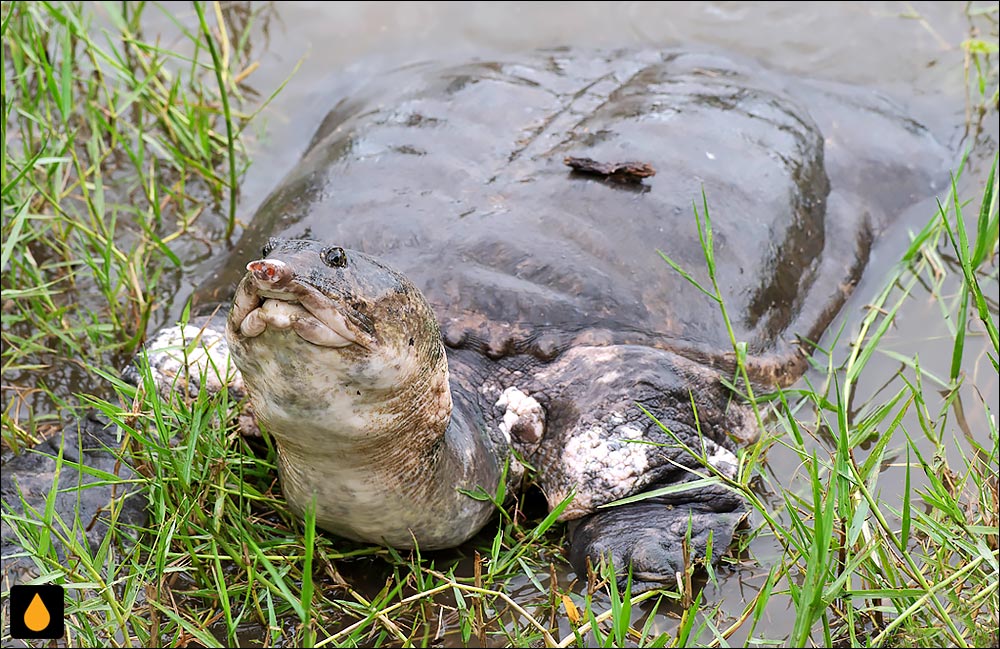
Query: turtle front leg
(190,358)
(601,444)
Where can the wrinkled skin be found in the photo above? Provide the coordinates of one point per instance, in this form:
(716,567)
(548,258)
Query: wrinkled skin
(556,312)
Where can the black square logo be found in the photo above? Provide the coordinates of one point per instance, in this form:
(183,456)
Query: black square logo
(36,612)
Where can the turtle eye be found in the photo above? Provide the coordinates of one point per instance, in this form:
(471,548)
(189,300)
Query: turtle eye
(268,247)
(334,257)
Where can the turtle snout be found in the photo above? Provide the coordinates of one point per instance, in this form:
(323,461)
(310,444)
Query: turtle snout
(270,273)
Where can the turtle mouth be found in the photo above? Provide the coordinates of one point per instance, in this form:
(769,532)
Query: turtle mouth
(271,297)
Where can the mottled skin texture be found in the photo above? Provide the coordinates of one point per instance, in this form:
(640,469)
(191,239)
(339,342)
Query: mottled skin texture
(557,313)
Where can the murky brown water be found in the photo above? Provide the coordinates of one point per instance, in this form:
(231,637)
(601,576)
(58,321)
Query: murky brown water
(909,51)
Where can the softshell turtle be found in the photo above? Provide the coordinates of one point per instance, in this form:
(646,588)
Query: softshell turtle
(431,294)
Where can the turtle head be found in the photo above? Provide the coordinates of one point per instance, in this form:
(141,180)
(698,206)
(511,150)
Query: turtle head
(316,328)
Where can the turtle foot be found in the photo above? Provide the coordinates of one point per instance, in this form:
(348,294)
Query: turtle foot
(648,537)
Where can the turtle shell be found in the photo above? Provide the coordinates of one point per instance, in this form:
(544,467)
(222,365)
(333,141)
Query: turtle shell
(455,176)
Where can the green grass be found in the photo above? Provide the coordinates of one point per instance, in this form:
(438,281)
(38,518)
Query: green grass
(121,158)
(854,564)
(119,153)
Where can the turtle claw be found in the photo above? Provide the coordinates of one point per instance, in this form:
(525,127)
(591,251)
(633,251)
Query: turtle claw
(648,538)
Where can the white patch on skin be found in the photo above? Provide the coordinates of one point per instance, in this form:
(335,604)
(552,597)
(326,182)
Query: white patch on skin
(605,463)
(522,412)
(178,354)
(607,456)
(721,458)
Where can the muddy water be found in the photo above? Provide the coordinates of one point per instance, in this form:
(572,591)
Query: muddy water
(870,44)
(908,51)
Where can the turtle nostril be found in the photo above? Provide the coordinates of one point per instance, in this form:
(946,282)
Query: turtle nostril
(272,272)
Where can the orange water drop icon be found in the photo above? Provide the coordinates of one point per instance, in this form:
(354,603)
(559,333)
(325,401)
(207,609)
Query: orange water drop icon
(37,617)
